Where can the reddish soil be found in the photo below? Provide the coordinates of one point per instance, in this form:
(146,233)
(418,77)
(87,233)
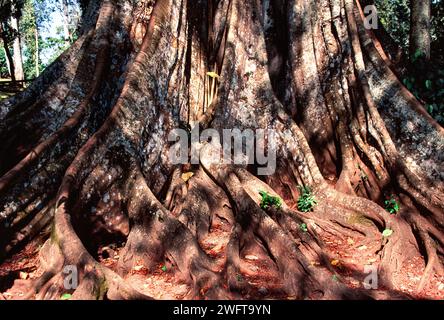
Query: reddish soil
(348,256)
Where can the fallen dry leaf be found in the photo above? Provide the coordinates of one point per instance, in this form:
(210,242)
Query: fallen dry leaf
(213,74)
(186,176)
(335,262)
(138,268)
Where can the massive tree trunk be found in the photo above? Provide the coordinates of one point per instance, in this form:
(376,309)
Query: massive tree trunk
(85,151)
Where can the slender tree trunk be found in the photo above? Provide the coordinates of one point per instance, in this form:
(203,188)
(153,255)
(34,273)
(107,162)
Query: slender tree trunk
(9,58)
(66,23)
(8,65)
(17,48)
(37,49)
(95,165)
(420,27)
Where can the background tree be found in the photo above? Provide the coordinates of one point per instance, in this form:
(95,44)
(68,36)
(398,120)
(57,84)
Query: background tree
(425,78)
(437,32)
(395,17)
(16,13)
(32,40)
(420,28)
(66,32)
(7,33)
(36,18)
(4,70)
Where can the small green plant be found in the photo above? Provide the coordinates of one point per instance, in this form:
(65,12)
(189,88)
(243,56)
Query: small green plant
(418,54)
(307,200)
(65,296)
(428,84)
(164,268)
(268,200)
(303,227)
(391,205)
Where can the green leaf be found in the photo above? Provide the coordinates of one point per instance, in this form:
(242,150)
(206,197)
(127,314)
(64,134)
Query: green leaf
(164,268)
(306,201)
(268,200)
(407,83)
(418,54)
(391,205)
(429,108)
(387,233)
(428,84)
(303,227)
(65,296)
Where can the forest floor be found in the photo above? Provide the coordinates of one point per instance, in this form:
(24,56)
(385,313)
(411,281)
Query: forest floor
(257,269)
(4,95)
(4,92)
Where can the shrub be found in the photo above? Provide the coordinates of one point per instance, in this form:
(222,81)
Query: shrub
(391,205)
(268,200)
(307,200)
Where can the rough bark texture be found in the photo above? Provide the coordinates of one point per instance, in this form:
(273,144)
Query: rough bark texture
(85,152)
(17,46)
(66,23)
(420,27)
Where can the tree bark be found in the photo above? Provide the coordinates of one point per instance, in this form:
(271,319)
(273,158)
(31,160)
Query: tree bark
(17,50)
(66,23)
(420,27)
(37,53)
(95,162)
(8,54)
